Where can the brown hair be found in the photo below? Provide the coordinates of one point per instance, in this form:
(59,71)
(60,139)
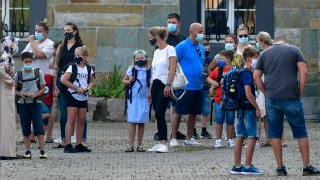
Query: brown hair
(44,24)
(249,52)
(227,53)
(234,37)
(162,32)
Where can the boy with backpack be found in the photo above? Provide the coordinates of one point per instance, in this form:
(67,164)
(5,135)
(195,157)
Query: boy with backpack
(137,81)
(30,86)
(248,111)
(78,79)
(222,115)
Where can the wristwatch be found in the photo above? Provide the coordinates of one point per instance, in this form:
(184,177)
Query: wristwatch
(168,84)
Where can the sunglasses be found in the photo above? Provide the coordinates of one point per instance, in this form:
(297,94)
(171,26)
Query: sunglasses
(241,36)
(198,50)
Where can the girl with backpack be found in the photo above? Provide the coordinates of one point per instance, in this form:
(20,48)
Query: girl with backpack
(78,78)
(137,80)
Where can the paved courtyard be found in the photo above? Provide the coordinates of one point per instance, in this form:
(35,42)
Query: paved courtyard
(108,160)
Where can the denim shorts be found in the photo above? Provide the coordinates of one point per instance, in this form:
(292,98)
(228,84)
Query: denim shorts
(223,115)
(246,124)
(293,110)
(190,103)
(205,103)
(31,112)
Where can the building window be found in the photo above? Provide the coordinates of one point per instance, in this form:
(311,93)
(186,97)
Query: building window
(15,17)
(222,17)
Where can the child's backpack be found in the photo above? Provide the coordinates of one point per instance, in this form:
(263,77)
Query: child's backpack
(128,89)
(63,88)
(21,80)
(232,99)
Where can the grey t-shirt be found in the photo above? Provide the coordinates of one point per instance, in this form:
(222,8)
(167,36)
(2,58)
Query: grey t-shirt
(279,64)
(29,87)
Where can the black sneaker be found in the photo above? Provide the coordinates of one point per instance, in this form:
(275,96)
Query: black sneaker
(310,171)
(69,149)
(43,155)
(195,135)
(180,136)
(156,136)
(282,171)
(27,155)
(82,148)
(205,134)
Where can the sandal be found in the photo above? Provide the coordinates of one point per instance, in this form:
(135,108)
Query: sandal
(140,149)
(129,149)
(265,144)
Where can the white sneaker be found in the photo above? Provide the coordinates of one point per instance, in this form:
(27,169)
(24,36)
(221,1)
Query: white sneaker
(257,145)
(154,148)
(162,148)
(73,139)
(230,143)
(218,143)
(57,141)
(174,143)
(192,142)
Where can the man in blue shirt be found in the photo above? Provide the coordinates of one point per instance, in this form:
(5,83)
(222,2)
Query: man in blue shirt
(190,54)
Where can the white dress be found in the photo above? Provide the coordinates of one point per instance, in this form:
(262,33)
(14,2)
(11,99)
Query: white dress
(138,109)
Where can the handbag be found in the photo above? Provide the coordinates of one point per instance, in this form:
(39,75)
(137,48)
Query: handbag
(179,80)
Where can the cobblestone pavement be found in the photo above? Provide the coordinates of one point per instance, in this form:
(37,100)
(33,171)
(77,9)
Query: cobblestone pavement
(108,160)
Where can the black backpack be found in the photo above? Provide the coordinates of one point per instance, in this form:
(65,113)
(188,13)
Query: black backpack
(64,89)
(128,89)
(21,81)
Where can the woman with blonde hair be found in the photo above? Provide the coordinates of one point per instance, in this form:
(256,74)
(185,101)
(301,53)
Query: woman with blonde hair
(163,68)
(243,36)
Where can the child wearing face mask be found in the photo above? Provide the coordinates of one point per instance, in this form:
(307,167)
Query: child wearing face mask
(137,80)
(30,86)
(78,78)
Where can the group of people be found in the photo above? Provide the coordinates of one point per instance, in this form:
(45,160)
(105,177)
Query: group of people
(52,74)
(267,86)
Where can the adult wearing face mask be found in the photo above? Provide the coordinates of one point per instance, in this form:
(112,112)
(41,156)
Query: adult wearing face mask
(65,56)
(42,47)
(243,36)
(174,38)
(190,54)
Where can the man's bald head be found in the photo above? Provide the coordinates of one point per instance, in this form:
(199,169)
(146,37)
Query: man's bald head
(195,26)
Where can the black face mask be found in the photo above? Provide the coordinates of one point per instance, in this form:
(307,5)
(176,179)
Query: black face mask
(153,41)
(68,35)
(141,63)
(78,59)
(206,53)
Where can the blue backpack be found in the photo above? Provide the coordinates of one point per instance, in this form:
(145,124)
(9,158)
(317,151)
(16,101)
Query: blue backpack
(231,97)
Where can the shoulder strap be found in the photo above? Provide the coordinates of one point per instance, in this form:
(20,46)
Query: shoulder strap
(37,77)
(74,73)
(148,77)
(89,72)
(19,87)
(134,74)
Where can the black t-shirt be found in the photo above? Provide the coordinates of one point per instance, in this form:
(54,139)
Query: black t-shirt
(67,55)
(173,40)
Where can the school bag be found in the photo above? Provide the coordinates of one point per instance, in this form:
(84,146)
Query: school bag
(231,97)
(63,88)
(128,89)
(21,81)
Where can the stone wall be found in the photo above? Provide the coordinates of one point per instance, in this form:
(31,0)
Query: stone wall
(112,29)
(300,22)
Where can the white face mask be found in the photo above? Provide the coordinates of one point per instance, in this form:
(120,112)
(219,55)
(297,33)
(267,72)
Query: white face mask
(253,63)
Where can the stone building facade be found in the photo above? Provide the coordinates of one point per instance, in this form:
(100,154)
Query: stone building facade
(112,29)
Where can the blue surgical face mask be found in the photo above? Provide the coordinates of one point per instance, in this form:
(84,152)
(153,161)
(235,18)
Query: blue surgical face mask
(172,28)
(229,46)
(243,40)
(38,36)
(28,67)
(199,37)
(221,63)
(78,59)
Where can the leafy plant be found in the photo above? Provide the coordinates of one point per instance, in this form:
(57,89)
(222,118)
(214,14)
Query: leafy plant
(111,85)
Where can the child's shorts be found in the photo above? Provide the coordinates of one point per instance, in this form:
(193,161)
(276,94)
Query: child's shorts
(72,102)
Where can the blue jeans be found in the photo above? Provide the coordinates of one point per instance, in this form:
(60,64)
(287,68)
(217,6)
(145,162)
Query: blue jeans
(247,124)
(31,112)
(205,103)
(293,110)
(64,117)
(222,115)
